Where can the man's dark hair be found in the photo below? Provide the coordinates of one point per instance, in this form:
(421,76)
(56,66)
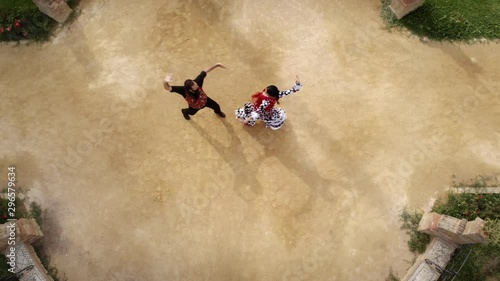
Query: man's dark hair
(188,84)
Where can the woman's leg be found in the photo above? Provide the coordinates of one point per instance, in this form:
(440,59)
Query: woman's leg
(275,119)
(244,114)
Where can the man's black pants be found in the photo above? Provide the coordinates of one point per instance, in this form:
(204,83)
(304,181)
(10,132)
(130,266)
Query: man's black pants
(210,104)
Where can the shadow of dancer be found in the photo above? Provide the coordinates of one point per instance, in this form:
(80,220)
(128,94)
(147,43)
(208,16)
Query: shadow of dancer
(282,144)
(246,184)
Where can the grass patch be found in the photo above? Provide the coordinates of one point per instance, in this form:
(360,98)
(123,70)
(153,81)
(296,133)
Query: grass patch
(73,4)
(450,20)
(45,260)
(418,241)
(392,276)
(36,213)
(478,182)
(4,267)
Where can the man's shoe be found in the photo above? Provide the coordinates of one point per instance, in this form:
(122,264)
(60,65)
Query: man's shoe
(185,114)
(221,114)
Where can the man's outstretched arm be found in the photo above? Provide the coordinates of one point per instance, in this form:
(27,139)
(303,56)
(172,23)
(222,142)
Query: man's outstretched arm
(214,67)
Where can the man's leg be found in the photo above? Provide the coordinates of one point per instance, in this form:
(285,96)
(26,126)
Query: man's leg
(215,106)
(188,111)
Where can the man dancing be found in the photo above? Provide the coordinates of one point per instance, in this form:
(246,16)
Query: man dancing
(193,92)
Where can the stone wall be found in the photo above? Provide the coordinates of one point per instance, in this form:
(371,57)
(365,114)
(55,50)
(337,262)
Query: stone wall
(447,233)
(403,7)
(452,229)
(439,251)
(27,232)
(26,256)
(56,9)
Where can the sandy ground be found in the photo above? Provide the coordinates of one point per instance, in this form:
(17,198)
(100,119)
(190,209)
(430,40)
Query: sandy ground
(135,192)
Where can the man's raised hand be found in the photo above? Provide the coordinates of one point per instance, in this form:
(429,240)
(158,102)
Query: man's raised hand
(168,78)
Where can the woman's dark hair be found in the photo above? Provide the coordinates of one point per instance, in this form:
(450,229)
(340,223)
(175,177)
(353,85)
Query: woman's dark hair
(273,91)
(188,84)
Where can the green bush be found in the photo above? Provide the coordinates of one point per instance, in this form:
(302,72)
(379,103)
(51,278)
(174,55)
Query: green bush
(22,20)
(493,230)
(36,213)
(469,206)
(25,23)
(4,267)
(45,260)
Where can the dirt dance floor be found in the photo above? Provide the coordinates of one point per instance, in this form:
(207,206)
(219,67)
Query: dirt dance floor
(135,192)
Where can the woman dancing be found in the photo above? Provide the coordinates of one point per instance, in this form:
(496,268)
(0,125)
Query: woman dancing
(262,107)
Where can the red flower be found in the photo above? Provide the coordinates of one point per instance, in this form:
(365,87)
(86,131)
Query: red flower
(4,216)
(478,211)
(25,34)
(480,196)
(2,30)
(8,28)
(17,24)
(486,233)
